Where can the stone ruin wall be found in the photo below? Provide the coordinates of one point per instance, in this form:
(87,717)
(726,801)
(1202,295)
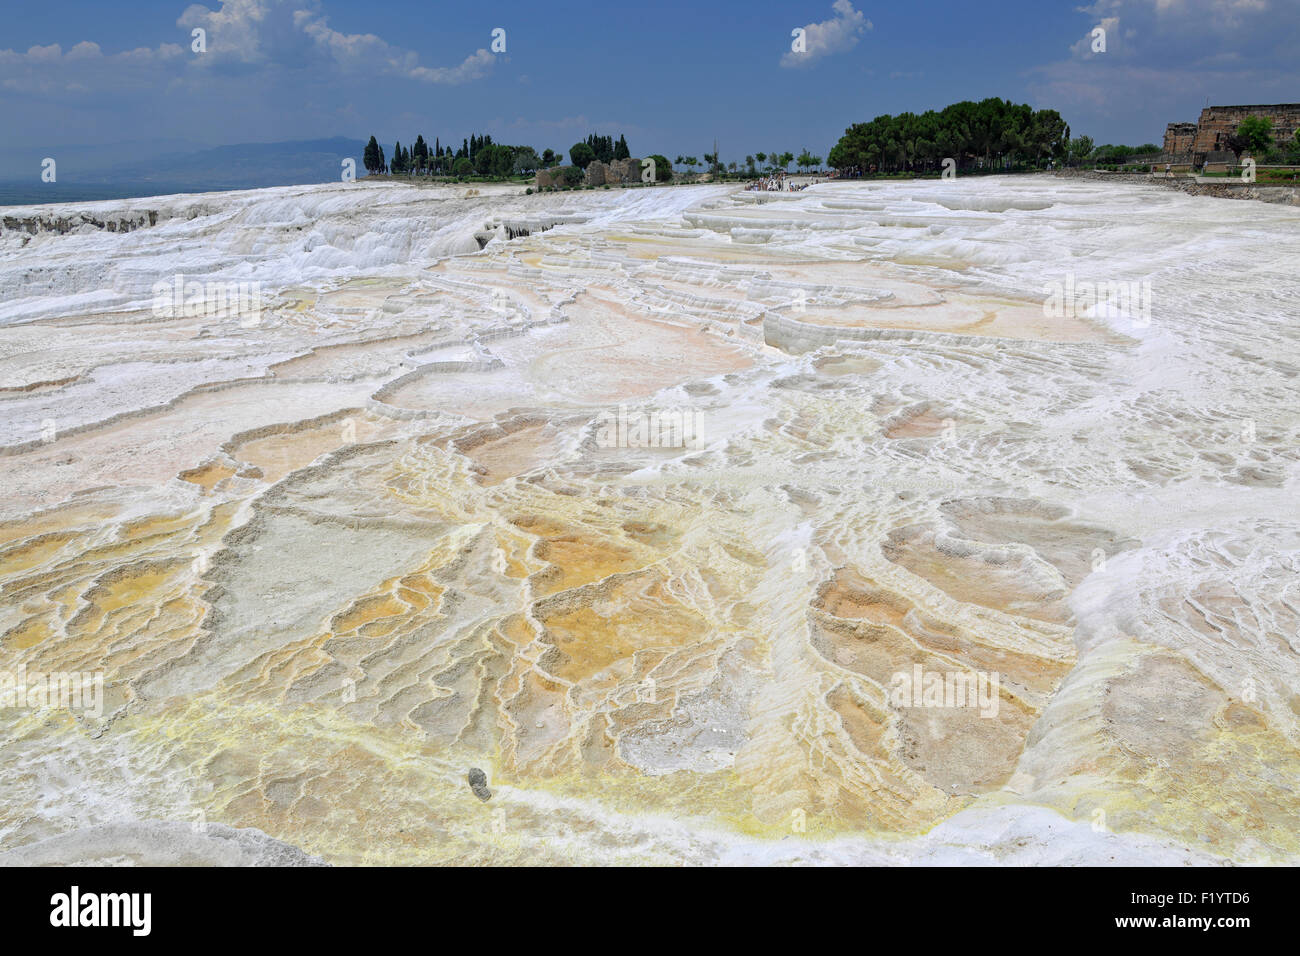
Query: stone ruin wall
(614,173)
(1217,123)
(550,177)
(1179,138)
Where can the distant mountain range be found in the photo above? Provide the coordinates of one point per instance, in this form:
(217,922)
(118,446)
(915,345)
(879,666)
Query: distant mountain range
(242,166)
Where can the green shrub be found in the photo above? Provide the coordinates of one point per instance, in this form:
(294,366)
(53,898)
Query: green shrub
(663,168)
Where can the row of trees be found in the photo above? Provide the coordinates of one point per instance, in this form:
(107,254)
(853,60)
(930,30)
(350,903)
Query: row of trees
(581,155)
(755,164)
(606,150)
(477,156)
(1082,150)
(480,156)
(602,148)
(992,133)
(780,162)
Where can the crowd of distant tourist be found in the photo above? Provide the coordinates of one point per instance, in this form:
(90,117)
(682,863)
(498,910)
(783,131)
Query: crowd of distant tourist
(777,182)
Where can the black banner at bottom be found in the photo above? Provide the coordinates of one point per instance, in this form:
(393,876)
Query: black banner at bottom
(336,906)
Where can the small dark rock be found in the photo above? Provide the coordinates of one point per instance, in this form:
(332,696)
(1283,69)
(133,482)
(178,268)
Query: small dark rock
(478,783)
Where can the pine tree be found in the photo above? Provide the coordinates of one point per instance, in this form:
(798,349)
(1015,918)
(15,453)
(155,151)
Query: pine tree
(601,146)
(373,157)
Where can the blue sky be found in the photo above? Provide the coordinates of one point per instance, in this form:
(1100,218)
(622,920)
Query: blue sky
(672,76)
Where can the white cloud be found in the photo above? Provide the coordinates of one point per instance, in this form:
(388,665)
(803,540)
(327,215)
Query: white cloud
(295,32)
(1217,14)
(84,50)
(476,65)
(244,39)
(1164,60)
(83,68)
(837,35)
(242,36)
(45,54)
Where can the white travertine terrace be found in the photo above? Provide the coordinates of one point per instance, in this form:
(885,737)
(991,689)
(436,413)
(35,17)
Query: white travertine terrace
(330,559)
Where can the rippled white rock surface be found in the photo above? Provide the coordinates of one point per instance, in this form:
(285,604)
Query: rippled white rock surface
(328,556)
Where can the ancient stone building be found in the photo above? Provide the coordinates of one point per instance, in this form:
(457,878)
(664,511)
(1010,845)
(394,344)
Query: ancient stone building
(547,178)
(1217,123)
(624,171)
(614,173)
(1210,134)
(1179,138)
